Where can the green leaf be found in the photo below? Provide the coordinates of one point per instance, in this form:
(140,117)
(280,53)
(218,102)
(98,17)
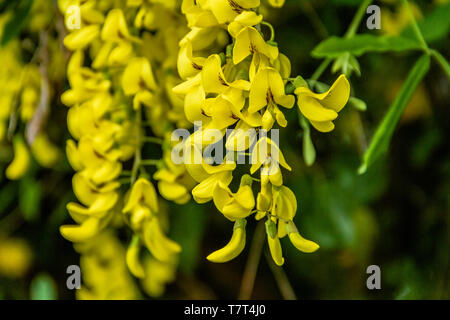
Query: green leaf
(435,26)
(309,152)
(16,22)
(333,47)
(43,287)
(381,139)
(30,198)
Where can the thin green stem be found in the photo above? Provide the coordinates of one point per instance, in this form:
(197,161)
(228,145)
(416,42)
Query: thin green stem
(137,154)
(272,31)
(251,268)
(153,140)
(416,29)
(281,279)
(308,8)
(351,31)
(441,61)
(150,162)
(322,67)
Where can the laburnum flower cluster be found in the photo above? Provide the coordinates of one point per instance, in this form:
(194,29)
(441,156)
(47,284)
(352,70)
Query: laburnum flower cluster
(138,70)
(25,87)
(121,73)
(242,88)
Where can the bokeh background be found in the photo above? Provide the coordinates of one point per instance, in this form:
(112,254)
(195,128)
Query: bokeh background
(396,215)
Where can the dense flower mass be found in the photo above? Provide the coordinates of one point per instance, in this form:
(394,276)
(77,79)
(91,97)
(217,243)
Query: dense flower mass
(240,85)
(137,70)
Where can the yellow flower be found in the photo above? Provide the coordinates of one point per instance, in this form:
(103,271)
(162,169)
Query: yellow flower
(21,162)
(187,64)
(298,241)
(267,88)
(321,108)
(267,154)
(80,38)
(274,243)
(158,274)
(204,191)
(228,10)
(142,193)
(234,247)
(44,151)
(162,248)
(235,205)
(213,78)
(138,76)
(115,27)
(250,41)
(284,203)
(245,19)
(170,188)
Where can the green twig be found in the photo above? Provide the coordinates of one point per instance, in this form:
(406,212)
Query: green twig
(251,268)
(351,31)
(281,279)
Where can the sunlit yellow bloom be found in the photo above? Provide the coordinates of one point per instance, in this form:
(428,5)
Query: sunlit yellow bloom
(78,233)
(268,89)
(213,79)
(170,188)
(298,241)
(88,193)
(196,15)
(187,64)
(321,108)
(267,154)
(228,10)
(138,76)
(234,247)
(21,162)
(80,38)
(245,19)
(158,274)
(132,258)
(235,205)
(157,242)
(198,168)
(44,151)
(250,41)
(274,243)
(142,193)
(204,191)
(242,137)
(284,203)
(115,27)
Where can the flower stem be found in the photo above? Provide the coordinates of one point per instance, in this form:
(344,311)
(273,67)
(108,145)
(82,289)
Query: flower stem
(351,31)
(416,29)
(281,279)
(251,268)
(137,154)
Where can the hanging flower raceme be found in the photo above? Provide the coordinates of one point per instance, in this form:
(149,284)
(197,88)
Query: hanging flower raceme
(240,87)
(113,102)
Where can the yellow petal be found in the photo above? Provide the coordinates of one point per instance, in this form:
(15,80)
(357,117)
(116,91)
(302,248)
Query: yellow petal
(21,162)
